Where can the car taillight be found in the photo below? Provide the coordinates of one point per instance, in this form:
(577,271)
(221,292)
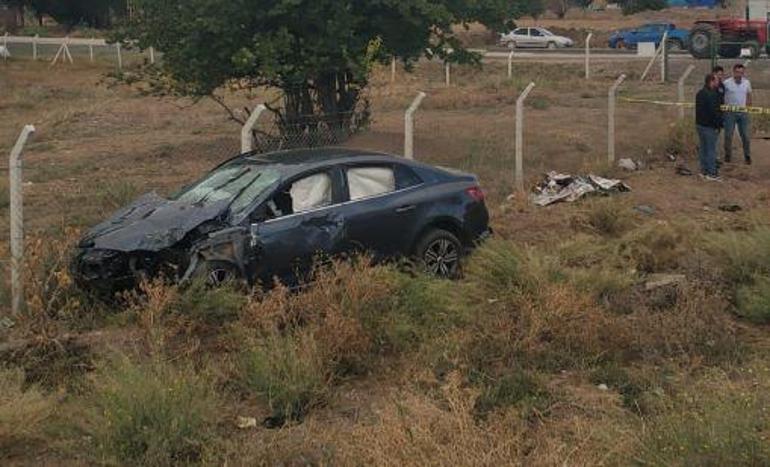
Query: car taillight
(476,193)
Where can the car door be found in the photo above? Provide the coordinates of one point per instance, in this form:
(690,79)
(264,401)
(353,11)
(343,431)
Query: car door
(384,206)
(537,38)
(299,224)
(520,37)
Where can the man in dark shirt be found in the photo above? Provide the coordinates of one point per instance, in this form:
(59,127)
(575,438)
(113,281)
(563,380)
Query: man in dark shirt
(719,70)
(708,120)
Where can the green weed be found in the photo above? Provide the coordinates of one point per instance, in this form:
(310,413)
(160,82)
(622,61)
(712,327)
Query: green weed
(152,413)
(24,411)
(754,301)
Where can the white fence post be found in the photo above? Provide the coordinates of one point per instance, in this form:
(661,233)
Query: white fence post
(5,47)
(519,175)
(680,89)
(393,70)
(120,56)
(152,55)
(448,73)
(34,46)
(664,58)
(611,120)
(91,52)
(247,139)
(17,219)
(510,65)
(409,125)
(588,55)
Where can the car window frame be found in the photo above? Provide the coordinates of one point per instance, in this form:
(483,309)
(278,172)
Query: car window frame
(392,165)
(337,191)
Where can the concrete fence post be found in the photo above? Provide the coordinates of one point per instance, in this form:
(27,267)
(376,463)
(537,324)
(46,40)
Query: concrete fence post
(152,55)
(393,70)
(247,138)
(680,89)
(510,65)
(448,73)
(664,58)
(120,56)
(91,52)
(588,55)
(34,46)
(17,219)
(611,119)
(409,125)
(5,47)
(519,174)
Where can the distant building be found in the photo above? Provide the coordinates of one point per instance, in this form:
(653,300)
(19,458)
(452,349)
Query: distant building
(759,9)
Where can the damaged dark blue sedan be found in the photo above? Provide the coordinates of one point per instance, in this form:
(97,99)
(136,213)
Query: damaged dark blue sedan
(258,217)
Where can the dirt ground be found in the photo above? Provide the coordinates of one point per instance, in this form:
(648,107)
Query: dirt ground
(99,145)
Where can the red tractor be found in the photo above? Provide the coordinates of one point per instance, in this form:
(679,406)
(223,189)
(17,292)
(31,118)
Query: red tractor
(726,37)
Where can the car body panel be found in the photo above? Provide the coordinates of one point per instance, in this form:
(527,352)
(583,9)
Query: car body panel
(652,32)
(534,37)
(154,234)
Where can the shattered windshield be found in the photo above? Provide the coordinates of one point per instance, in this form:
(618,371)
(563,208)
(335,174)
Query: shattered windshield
(239,185)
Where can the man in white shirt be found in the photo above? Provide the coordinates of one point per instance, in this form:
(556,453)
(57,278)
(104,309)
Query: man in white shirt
(737,93)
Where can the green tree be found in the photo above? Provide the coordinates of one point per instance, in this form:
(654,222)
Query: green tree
(70,13)
(318,52)
(635,6)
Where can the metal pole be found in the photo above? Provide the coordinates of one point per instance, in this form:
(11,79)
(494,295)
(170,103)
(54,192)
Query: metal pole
(680,89)
(409,125)
(611,120)
(519,174)
(120,56)
(247,140)
(664,58)
(152,55)
(17,219)
(588,55)
(510,65)
(34,46)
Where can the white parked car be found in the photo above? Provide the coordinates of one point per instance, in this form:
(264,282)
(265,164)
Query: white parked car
(534,38)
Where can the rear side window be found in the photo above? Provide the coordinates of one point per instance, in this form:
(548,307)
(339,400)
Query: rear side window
(364,182)
(406,177)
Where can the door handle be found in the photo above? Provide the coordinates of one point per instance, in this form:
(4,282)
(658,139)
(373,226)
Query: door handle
(403,209)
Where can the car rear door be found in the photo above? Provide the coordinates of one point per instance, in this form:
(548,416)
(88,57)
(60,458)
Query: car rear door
(537,38)
(300,223)
(383,207)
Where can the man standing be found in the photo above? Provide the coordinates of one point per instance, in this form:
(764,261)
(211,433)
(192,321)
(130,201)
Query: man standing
(708,120)
(737,93)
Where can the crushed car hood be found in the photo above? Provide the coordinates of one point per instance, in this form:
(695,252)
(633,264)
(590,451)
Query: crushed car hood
(151,223)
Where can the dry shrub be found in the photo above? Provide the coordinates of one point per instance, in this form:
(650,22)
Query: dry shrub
(657,247)
(151,413)
(742,255)
(721,419)
(682,140)
(24,411)
(695,327)
(605,216)
(754,301)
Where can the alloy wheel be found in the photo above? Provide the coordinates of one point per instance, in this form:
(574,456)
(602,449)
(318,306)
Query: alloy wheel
(442,258)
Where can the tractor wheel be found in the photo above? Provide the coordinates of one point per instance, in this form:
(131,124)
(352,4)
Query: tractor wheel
(753,46)
(702,40)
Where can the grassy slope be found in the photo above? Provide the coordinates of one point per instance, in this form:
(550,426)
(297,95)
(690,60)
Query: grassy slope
(502,367)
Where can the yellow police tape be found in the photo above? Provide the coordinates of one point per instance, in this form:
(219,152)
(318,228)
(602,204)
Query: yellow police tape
(724,108)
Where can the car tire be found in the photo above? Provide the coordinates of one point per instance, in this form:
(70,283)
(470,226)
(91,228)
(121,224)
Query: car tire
(620,44)
(218,274)
(552,46)
(439,253)
(511,45)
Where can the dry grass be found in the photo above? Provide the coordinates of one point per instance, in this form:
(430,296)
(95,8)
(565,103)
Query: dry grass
(24,412)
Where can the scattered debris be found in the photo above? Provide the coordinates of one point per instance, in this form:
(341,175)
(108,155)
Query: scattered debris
(657,281)
(644,209)
(564,187)
(245,423)
(628,164)
(682,170)
(730,207)
(603,387)
(671,157)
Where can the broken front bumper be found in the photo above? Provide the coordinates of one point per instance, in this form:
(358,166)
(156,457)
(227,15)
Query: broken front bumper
(103,272)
